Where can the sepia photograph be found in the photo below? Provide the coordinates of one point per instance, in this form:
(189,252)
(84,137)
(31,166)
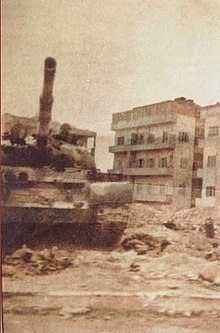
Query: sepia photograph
(110,166)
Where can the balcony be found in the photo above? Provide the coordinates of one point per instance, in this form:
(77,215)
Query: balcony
(156,145)
(148,171)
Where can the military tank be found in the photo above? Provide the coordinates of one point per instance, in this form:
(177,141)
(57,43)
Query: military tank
(50,186)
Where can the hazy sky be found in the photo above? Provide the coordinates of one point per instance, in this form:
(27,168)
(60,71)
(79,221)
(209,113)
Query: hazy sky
(112,55)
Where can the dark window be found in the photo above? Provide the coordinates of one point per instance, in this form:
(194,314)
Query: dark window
(162,162)
(198,161)
(213,130)
(165,136)
(132,160)
(196,141)
(140,163)
(140,139)
(150,163)
(120,140)
(151,138)
(210,191)
(197,183)
(211,161)
(183,137)
(171,161)
(134,138)
(199,133)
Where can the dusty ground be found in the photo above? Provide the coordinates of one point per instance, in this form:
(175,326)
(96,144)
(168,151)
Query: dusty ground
(158,280)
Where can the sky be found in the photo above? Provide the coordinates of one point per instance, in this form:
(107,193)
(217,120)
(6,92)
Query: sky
(112,55)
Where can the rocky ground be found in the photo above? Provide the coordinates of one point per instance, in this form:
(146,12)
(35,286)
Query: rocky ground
(163,277)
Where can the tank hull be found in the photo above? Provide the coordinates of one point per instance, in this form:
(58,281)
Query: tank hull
(28,215)
(42,202)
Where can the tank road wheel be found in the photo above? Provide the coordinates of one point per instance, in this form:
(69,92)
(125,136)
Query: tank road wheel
(109,226)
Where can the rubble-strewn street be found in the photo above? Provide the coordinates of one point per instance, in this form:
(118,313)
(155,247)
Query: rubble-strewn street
(163,277)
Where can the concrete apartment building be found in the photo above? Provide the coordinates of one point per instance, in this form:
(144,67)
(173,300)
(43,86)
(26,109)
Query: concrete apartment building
(209,145)
(154,149)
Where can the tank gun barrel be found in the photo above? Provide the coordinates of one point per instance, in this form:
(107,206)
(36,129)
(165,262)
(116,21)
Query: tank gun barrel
(46,99)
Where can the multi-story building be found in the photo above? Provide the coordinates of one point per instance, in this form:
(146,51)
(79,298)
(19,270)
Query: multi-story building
(210,143)
(154,148)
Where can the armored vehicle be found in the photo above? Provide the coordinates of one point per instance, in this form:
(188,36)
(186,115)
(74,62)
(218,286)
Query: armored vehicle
(51,185)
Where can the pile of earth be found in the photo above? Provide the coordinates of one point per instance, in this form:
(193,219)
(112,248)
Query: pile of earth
(190,219)
(35,262)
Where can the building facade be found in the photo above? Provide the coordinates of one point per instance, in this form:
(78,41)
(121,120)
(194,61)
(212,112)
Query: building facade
(154,149)
(209,173)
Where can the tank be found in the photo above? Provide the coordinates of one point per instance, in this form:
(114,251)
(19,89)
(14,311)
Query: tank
(51,187)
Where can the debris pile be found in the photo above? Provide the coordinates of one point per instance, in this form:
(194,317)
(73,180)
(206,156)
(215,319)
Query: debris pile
(36,262)
(195,231)
(143,242)
(190,219)
(196,218)
(142,214)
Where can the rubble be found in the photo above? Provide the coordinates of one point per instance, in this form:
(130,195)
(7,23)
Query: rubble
(143,242)
(32,262)
(187,219)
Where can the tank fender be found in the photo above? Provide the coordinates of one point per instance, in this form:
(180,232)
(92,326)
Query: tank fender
(110,193)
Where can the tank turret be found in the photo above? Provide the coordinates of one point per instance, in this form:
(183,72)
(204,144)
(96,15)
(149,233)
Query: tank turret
(46,100)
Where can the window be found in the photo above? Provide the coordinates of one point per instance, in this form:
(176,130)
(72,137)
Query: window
(134,138)
(196,141)
(132,160)
(198,161)
(140,163)
(140,139)
(183,137)
(182,189)
(199,133)
(165,137)
(120,140)
(150,163)
(162,162)
(211,161)
(210,191)
(213,130)
(151,138)
(184,163)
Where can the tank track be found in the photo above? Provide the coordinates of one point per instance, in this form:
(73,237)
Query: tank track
(110,225)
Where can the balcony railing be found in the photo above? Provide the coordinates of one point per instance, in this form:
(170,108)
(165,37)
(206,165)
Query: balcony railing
(157,144)
(148,171)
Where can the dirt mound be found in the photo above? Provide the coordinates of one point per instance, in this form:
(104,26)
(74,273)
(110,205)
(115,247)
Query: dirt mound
(32,262)
(190,219)
(195,218)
